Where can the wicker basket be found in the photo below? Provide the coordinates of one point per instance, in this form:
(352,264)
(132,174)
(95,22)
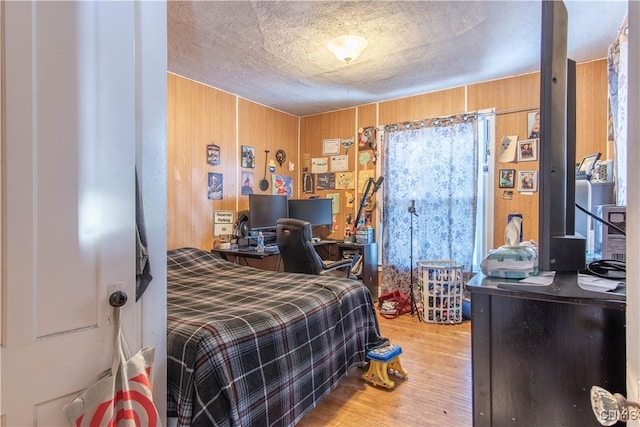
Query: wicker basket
(442,291)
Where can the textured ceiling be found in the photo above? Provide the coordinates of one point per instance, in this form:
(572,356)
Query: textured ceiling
(274,52)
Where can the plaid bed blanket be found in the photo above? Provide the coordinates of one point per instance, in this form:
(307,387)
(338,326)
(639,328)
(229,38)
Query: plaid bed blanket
(247,347)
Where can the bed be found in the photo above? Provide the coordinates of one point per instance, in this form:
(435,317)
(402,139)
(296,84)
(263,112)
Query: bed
(251,347)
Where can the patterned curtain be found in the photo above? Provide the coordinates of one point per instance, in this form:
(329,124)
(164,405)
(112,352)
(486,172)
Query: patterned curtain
(617,61)
(434,163)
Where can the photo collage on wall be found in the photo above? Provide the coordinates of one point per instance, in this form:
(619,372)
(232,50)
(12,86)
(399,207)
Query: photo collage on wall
(332,172)
(512,150)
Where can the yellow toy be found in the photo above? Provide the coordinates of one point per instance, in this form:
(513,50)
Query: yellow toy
(383,360)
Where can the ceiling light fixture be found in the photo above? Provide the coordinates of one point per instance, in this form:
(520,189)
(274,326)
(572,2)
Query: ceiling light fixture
(347,48)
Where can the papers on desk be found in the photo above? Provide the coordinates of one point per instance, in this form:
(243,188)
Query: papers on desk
(597,284)
(585,281)
(544,278)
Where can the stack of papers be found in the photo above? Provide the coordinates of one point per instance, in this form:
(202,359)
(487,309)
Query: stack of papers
(597,284)
(585,281)
(544,278)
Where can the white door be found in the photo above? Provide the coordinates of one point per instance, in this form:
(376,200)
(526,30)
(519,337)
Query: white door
(633,216)
(69,205)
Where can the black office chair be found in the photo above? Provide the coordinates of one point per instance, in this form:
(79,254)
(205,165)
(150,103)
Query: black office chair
(299,255)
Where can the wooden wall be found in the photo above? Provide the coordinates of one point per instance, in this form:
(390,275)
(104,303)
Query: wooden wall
(434,104)
(198,115)
(346,123)
(313,131)
(513,98)
(519,94)
(267,129)
(592,110)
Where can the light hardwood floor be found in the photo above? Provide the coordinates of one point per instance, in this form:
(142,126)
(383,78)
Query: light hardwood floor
(437,393)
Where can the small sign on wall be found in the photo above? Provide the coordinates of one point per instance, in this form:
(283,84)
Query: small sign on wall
(339,163)
(222,223)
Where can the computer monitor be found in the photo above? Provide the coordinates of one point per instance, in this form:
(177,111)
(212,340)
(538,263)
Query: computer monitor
(316,211)
(585,169)
(265,210)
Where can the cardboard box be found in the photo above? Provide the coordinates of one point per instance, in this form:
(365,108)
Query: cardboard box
(610,243)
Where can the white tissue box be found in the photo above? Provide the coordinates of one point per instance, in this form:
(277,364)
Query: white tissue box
(511,262)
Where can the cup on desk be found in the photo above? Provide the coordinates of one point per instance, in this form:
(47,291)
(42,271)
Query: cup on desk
(225,243)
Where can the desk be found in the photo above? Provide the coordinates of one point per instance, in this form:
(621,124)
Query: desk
(267,260)
(536,352)
(333,250)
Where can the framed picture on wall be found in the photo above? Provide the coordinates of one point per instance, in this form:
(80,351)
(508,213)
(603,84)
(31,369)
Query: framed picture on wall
(507,195)
(213,154)
(248,157)
(246,180)
(506,178)
(533,124)
(307,183)
(528,150)
(330,146)
(215,186)
(527,181)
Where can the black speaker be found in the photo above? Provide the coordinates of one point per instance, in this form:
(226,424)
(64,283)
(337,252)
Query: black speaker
(241,227)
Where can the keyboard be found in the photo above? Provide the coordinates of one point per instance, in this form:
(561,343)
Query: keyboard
(324,242)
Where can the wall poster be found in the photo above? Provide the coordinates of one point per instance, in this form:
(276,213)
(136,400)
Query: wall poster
(248,157)
(282,185)
(340,163)
(214,189)
(307,183)
(319,165)
(335,202)
(345,181)
(246,178)
(326,181)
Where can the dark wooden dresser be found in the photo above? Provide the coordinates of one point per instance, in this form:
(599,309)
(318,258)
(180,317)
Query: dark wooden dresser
(536,351)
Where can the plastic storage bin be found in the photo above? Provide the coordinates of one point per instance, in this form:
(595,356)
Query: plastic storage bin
(442,289)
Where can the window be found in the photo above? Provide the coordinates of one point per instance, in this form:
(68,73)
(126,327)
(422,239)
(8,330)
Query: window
(484,216)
